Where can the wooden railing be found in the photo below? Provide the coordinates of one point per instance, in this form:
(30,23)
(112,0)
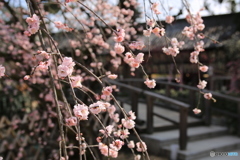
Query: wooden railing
(150,98)
(192,100)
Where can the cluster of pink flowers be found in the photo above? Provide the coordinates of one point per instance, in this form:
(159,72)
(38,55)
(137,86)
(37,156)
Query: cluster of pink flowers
(196,23)
(174,50)
(155,8)
(98,107)
(139,45)
(81,111)
(134,62)
(192,32)
(159,32)
(33,25)
(60,25)
(66,68)
(150,83)
(44,54)
(122,133)
(43,65)
(2,71)
(111,151)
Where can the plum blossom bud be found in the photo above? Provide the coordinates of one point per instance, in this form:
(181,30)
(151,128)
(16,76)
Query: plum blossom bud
(137,157)
(112,76)
(196,111)
(26,77)
(99,139)
(131,144)
(203,68)
(208,95)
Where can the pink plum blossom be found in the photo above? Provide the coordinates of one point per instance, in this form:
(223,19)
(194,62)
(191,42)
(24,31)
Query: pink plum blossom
(169,19)
(26,77)
(33,25)
(128,123)
(150,83)
(139,58)
(203,68)
(139,45)
(111,109)
(2,71)
(66,68)
(208,95)
(97,107)
(137,157)
(71,121)
(131,144)
(107,131)
(196,111)
(107,91)
(118,48)
(76,81)
(147,32)
(60,25)
(202,84)
(117,144)
(63,71)
(112,76)
(131,115)
(151,22)
(81,111)
(141,147)
(155,8)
